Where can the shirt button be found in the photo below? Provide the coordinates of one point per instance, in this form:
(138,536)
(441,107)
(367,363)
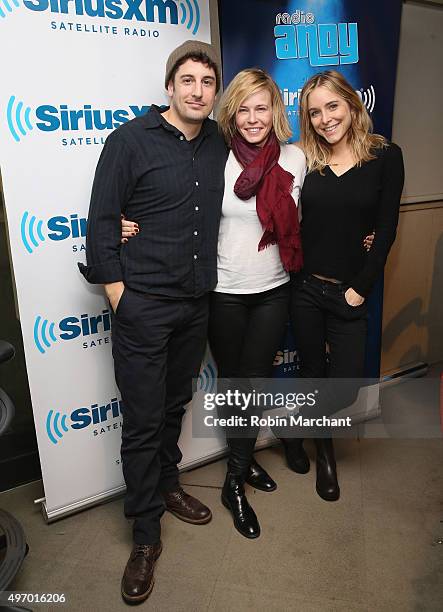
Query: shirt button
(196,182)
(195,256)
(196,233)
(182,137)
(196,208)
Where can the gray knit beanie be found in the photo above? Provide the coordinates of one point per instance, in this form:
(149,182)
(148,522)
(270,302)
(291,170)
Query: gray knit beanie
(191,47)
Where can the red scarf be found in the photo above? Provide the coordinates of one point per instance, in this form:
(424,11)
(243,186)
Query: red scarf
(272,185)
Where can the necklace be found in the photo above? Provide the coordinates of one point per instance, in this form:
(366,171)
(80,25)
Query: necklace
(349,163)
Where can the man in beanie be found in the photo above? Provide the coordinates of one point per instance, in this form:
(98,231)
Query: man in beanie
(165,171)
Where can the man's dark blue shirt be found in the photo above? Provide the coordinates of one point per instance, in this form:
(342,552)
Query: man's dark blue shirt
(173,189)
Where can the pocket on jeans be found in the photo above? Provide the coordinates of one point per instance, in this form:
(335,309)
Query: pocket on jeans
(348,304)
(298,281)
(348,312)
(122,297)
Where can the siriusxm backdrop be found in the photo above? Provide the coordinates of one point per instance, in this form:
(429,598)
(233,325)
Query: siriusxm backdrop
(73,71)
(294,40)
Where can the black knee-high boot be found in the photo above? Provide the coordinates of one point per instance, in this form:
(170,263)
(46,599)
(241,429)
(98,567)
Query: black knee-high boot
(259,478)
(327,483)
(233,493)
(234,499)
(296,457)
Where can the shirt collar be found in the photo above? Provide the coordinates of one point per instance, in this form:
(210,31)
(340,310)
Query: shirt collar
(154,118)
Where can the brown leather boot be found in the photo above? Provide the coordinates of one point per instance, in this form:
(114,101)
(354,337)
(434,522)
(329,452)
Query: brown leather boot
(138,578)
(186,507)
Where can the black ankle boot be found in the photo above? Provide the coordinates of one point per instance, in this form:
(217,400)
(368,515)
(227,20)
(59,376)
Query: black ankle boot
(234,499)
(296,457)
(327,483)
(259,478)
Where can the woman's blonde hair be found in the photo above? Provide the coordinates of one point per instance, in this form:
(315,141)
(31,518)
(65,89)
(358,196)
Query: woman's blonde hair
(360,136)
(245,84)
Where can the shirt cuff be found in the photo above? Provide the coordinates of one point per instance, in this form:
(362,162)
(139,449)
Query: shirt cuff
(362,286)
(102,274)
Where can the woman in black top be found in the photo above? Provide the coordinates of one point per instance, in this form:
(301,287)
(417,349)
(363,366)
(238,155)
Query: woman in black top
(353,185)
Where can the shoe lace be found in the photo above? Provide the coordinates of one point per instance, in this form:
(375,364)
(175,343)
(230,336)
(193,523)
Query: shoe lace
(178,494)
(143,550)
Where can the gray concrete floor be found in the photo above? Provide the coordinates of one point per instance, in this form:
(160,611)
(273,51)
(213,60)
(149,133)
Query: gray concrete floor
(372,550)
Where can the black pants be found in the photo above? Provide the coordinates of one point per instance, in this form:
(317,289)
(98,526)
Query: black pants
(158,345)
(319,315)
(245,332)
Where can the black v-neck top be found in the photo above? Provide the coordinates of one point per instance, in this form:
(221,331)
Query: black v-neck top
(339,211)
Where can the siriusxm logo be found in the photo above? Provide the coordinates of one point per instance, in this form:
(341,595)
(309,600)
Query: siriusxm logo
(7,6)
(34,231)
(57,424)
(49,118)
(285,357)
(367,96)
(206,378)
(290,98)
(47,333)
(325,44)
(185,12)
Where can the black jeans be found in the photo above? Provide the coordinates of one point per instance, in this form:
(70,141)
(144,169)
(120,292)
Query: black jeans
(320,314)
(158,345)
(245,332)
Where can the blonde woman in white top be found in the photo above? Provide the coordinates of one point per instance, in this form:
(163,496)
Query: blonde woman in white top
(259,244)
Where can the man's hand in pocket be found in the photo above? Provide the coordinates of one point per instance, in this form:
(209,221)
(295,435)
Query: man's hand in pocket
(114,291)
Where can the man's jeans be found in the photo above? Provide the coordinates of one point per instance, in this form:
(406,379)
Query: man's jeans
(158,345)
